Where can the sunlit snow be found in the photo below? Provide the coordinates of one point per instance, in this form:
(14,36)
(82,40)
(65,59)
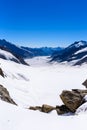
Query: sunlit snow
(36,85)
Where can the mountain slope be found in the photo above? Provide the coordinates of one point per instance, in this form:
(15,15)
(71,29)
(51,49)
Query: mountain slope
(22,53)
(43,51)
(76,54)
(8,56)
(33,86)
(16,51)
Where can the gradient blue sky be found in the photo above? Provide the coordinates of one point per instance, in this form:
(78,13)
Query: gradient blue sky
(43,22)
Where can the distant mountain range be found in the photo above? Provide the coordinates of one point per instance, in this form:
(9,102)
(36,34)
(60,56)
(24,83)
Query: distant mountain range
(75,54)
(14,50)
(20,53)
(43,51)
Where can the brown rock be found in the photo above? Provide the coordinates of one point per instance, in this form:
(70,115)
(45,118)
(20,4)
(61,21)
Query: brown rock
(35,108)
(4,95)
(80,91)
(32,108)
(85,83)
(47,108)
(1,72)
(62,109)
(71,99)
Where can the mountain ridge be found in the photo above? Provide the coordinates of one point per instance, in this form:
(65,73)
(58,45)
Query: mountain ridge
(21,53)
(69,54)
(74,54)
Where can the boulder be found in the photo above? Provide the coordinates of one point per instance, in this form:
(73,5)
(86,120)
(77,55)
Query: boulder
(62,109)
(47,108)
(44,108)
(85,83)
(5,96)
(71,99)
(35,108)
(1,72)
(80,92)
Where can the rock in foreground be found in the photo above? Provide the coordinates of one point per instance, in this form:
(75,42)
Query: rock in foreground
(44,108)
(5,96)
(73,99)
(1,72)
(85,83)
(62,109)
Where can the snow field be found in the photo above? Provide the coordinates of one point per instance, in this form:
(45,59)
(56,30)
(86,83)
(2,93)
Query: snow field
(37,85)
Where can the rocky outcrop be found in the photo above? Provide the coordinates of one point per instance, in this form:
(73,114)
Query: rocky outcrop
(44,108)
(5,96)
(62,109)
(73,99)
(47,108)
(1,72)
(35,108)
(85,83)
(80,92)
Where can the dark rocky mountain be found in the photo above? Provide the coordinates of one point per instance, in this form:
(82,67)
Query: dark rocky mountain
(15,50)
(43,51)
(76,54)
(18,53)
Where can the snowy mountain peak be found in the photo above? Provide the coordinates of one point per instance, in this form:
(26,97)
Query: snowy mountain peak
(75,54)
(78,44)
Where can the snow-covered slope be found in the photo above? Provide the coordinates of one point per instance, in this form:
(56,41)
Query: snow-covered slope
(36,85)
(16,118)
(15,50)
(8,56)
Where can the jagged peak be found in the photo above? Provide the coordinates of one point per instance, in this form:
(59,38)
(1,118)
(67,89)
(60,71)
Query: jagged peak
(78,44)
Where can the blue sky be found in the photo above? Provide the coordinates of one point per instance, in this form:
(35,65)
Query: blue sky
(43,22)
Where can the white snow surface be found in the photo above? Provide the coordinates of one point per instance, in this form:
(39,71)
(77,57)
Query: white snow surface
(37,85)
(82,50)
(79,44)
(82,109)
(7,55)
(38,61)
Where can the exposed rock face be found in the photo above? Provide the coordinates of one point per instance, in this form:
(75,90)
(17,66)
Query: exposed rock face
(1,72)
(4,95)
(62,109)
(71,99)
(35,108)
(80,92)
(45,108)
(85,83)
